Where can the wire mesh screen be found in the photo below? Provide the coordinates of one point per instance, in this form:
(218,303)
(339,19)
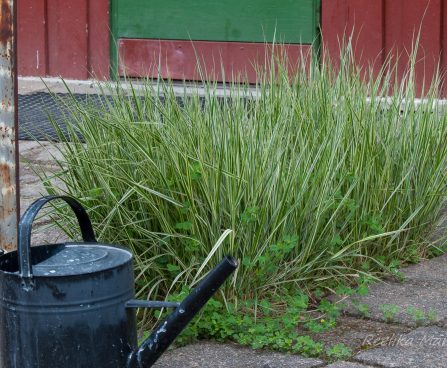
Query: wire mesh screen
(36,109)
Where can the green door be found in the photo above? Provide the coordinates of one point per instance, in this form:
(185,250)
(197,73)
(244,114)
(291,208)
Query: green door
(289,21)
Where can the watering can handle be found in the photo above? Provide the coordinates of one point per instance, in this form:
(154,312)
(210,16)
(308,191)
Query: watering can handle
(26,224)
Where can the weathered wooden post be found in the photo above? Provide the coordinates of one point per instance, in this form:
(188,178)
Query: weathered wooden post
(9,198)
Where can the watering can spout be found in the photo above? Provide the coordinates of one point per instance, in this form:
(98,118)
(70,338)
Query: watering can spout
(166,332)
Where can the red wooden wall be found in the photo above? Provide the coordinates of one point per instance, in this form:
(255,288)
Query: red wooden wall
(68,38)
(218,61)
(384,28)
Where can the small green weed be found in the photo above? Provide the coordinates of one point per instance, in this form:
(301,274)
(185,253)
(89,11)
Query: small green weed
(308,347)
(393,269)
(432,316)
(418,315)
(321,325)
(339,351)
(362,308)
(389,311)
(344,290)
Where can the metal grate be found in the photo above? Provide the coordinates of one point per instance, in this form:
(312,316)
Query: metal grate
(36,108)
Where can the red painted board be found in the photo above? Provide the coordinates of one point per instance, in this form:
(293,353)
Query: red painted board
(98,39)
(358,20)
(366,21)
(178,59)
(31,38)
(68,38)
(403,24)
(334,14)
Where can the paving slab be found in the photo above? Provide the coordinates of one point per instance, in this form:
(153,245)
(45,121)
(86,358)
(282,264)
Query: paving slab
(29,85)
(423,288)
(425,295)
(34,155)
(214,355)
(355,333)
(39,152)
(40,157)
(348,365)
(425,347)
(430,270)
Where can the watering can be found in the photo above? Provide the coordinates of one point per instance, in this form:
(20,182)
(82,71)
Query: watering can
(72,304)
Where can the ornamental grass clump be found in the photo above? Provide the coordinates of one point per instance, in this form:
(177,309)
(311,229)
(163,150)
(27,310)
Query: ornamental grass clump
(309,178)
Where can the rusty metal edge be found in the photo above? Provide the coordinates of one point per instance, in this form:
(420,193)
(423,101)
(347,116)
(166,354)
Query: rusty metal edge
(10,150)
(16,112)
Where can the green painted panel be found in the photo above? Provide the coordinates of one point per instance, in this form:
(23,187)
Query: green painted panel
(295,21)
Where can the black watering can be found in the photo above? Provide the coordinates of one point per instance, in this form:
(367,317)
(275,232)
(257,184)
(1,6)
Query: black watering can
(71,304)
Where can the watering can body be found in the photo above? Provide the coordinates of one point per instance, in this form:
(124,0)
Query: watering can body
(67,321)
(71,304)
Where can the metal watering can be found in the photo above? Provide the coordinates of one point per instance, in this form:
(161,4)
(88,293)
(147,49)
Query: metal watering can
(71,304)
